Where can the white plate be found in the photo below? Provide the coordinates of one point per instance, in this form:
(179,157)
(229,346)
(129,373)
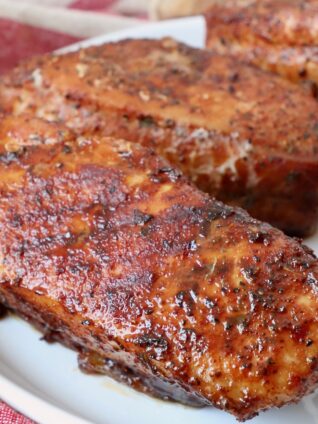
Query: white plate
(43,381)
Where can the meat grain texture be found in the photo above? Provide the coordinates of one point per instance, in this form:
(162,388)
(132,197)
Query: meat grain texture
(242,135)
(108,249)
(280,36)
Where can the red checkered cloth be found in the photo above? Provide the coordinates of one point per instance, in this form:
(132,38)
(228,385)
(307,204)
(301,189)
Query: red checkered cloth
(19,41)
(9,416)
(61,23)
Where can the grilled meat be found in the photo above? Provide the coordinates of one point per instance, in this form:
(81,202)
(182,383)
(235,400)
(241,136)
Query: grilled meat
(107,248)
(242,135)
(276,35)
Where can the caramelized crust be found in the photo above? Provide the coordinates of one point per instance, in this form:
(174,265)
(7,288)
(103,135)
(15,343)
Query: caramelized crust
(110,250)
(240,134)
(277,35)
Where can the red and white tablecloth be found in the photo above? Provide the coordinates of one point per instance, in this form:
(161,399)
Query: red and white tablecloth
(19,41)
(52,24)
(9,416)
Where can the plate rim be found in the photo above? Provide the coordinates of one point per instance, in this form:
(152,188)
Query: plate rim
(42,411)
(131,32)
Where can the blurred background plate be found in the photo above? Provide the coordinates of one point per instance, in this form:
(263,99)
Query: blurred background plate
(42,380)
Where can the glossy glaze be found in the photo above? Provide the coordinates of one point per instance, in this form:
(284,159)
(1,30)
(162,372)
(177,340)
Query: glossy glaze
(244,136)
(107,248)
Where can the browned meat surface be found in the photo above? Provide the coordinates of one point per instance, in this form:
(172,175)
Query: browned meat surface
(107,248)
(242,135)
(276,35)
